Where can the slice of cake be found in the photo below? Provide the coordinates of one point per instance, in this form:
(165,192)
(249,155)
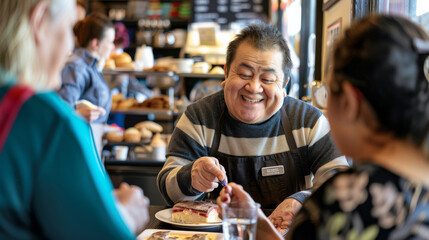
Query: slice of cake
(195,212)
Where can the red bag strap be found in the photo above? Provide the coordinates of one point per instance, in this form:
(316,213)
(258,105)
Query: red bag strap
(10,105)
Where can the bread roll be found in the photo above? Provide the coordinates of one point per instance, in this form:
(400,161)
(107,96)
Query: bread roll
(132,135)
(121,58)
(157,141)
(217,70)
(159,102)
(114,105)
(117,97)
(145,133)
(114,137)
(110,64)
(126,104)
(125,65)
(149,125)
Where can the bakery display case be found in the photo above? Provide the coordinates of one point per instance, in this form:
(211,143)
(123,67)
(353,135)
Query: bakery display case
(139,173)
(140,167)
(168,81)
(162,109)
(145,141)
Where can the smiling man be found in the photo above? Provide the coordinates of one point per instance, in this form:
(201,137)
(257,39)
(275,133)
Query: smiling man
(276,147)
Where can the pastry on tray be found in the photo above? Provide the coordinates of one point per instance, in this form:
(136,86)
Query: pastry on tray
(166,235)
(132,135)
(114,137)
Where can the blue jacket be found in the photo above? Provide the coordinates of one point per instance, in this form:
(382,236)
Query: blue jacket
(82,80)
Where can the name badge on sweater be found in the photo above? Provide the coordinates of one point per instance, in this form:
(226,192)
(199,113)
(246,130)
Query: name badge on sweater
(273,171)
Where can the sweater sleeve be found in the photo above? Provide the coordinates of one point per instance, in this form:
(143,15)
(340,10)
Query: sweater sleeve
(174,181)
(188,143)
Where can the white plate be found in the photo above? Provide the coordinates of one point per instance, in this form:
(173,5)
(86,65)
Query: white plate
(181,234)
(165,216)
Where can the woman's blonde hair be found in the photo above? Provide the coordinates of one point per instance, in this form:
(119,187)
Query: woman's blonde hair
(17,45)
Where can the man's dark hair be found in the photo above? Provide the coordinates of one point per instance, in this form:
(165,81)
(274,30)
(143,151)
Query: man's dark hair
(264,37)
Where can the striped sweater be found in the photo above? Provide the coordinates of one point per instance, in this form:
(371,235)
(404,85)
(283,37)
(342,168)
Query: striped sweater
(194,133)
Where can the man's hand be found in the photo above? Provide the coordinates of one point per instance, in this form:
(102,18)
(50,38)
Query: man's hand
(91,114)
(283,215)
(206,173)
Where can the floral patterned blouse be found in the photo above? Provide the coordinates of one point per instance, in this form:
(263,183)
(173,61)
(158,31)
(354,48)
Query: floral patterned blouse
(366,202)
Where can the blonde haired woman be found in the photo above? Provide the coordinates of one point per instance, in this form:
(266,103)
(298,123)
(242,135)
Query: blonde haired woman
(52,185)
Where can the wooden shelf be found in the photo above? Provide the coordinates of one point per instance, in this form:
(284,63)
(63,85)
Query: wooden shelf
(133,162)
(169,73)
(137,73)
(202,75)
(156,112)
(128,144)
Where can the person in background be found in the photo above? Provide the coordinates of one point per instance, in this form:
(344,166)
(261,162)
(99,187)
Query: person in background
(251,133)
(126,84)
(378,109)
(52,184)
(81,9)
(122,39)
(81,76)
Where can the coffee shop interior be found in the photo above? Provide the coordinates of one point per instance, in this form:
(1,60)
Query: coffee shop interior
(170,54)
(178,49)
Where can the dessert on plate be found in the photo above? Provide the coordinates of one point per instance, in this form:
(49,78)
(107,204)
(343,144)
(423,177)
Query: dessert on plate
(166,235)
(195,212)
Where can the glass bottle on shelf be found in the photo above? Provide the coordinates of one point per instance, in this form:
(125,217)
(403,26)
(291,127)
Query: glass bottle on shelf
(148,32)
(140,34)
(170,39)
(159,37)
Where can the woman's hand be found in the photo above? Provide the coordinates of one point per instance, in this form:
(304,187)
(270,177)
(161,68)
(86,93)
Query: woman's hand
(133,206)
(235,193)
(91,114)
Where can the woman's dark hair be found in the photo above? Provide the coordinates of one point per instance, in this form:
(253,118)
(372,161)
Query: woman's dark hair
(378,56)
(264,37)
(122,39)
(91,27)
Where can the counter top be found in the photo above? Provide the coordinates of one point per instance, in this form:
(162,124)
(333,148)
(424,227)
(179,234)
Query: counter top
(131,162)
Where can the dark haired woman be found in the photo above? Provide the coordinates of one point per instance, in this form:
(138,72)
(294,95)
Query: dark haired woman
(81,76)
(379,115)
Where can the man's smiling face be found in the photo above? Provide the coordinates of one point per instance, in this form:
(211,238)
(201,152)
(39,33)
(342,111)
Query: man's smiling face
(253,88)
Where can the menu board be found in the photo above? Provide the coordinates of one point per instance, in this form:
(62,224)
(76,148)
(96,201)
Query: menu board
(225,12)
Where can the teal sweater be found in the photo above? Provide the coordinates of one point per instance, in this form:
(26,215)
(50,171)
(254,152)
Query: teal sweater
(52,183)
